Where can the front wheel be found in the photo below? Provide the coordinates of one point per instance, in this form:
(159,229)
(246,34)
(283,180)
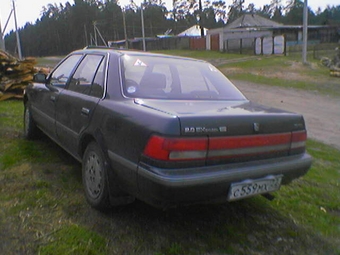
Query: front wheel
(94,175)
(31,130)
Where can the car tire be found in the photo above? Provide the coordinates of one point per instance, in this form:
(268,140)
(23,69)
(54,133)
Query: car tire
(94,175)
(31,130)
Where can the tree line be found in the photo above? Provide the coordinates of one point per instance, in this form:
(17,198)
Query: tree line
(63,28)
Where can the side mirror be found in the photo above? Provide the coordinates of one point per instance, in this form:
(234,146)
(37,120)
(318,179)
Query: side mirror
(40,78)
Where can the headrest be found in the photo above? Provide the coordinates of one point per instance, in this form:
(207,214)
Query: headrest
(153,81)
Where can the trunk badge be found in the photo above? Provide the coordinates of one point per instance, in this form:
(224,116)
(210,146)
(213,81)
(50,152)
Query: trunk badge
(222,129)
(256,127)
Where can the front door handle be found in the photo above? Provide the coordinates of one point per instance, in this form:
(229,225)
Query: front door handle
(85,111)
(53,98)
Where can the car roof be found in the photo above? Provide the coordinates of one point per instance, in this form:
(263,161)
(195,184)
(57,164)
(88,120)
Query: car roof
(116,51)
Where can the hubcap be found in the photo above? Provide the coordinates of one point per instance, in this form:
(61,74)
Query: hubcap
(93,175)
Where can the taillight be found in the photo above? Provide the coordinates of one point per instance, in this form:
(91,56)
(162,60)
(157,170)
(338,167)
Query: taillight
(298,141)
(162,148)
(183,149)
(248,145)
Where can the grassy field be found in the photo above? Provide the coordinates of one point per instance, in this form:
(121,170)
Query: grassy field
(43,210)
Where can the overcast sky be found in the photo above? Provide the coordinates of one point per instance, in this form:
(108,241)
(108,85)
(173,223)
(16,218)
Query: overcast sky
(30,10)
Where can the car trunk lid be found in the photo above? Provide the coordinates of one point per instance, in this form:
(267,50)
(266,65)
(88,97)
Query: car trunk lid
(227,118)
(218,132)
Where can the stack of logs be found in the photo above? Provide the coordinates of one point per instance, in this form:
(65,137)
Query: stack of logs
(14,75)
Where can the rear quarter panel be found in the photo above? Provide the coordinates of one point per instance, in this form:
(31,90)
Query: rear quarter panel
(126,126)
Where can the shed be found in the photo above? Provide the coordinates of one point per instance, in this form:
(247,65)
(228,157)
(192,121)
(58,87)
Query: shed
(250,28)
(193,31)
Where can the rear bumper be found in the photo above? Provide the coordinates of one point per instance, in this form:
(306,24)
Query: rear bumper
(170,187)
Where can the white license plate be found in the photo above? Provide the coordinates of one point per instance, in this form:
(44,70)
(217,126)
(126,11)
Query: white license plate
(250,188)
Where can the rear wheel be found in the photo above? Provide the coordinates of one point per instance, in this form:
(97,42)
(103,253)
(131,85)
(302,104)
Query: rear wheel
(95,180)
(31,130)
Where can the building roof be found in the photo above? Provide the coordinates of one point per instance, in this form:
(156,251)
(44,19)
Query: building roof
(252,21)
(193,31)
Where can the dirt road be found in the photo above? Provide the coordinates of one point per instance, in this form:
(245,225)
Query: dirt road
(321,113)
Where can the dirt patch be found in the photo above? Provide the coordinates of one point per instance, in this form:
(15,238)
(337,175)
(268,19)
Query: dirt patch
(321,113)
(294,72)
(291,75)
(290,71)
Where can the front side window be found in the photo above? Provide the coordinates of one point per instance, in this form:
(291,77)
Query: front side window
(83,78)
(175,78)
(61,74)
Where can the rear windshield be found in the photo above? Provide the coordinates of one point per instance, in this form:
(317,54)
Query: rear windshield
(173,78)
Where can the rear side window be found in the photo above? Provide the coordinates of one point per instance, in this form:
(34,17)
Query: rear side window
(62,73)
(88,78)
(97,87)
(175,78)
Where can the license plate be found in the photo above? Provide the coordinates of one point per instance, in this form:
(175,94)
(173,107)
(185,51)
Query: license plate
(250,188)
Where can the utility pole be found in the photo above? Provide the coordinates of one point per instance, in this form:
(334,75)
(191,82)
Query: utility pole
(2,32)
(143,32)
(96,30)
(305,32)
(17,32)
(2,41)
(200,21)
(85,34)
(125,33)
(95,33)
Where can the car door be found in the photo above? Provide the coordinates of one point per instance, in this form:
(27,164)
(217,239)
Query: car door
(77,102)
(46,98)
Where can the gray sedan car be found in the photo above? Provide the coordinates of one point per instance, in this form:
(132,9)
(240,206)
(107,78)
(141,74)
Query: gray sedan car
(163,129)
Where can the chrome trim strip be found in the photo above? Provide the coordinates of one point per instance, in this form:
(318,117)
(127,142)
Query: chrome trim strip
(188,154)
(64,128)
(106,75)
(119,159)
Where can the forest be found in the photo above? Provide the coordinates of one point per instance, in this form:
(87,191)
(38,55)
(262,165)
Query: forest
(63,28)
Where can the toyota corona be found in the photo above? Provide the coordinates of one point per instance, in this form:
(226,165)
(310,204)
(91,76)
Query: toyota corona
(166,130)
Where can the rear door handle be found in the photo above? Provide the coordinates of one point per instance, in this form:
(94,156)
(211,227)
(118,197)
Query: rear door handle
(53,98)
(85,111)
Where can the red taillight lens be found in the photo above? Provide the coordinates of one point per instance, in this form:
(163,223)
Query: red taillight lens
(238,142)
(177,149)
(248,145)
(162,148)
(154,148)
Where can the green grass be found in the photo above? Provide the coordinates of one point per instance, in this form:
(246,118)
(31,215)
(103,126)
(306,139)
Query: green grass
(13,147)
(7,111)
(314,200)
(286,72)
(280,63)
(43,210)
(74,239)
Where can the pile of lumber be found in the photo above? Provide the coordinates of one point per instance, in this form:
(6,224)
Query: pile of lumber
(14,75)
(335,72)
